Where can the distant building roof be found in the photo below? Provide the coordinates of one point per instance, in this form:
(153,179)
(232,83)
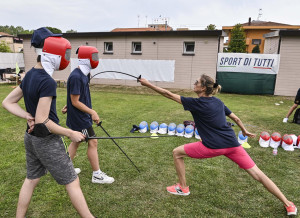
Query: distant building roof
(264,23)
(258,24)
(137,33)
(2,34)
(132,29)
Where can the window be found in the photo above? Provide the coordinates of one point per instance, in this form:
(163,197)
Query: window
(108,47)
(256,41)
(136,48)
(189,48)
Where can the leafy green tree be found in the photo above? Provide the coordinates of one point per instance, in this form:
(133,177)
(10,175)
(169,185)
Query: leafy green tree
(256,49)
(71,31)
(211,27)
(53,29)
(4,47)
(14,30)
(237,42)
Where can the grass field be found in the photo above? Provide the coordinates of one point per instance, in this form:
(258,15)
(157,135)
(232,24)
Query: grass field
(218,187)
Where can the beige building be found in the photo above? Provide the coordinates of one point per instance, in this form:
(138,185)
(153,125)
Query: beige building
(287,44)
(15,44)
(255,30)
(194,52)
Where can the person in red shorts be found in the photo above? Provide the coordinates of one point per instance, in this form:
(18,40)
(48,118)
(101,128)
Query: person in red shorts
(218,138)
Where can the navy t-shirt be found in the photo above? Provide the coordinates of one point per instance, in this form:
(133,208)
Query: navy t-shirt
(78,84)
(36,84)
(297,99)
(209,114)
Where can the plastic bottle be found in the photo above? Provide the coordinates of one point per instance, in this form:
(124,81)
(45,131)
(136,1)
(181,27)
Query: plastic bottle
(275,151)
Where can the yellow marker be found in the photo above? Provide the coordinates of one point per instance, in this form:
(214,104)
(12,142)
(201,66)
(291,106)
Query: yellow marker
(246,145)
(154,136)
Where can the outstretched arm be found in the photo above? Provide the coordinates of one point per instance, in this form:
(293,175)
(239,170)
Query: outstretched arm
(161,91)
(241,125)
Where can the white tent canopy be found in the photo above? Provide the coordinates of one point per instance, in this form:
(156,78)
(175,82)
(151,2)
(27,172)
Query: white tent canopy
(9,60)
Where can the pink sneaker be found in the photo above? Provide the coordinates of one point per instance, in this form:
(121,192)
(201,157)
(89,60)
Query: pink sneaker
(177,190)
(291,210)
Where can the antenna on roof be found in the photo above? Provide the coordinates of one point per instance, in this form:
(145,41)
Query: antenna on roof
(259,14)
(138,20)
(146,21)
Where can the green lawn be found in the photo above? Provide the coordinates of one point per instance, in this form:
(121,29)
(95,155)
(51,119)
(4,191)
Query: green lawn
(218,187)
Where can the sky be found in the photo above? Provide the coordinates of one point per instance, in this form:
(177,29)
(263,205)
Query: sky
(105,15)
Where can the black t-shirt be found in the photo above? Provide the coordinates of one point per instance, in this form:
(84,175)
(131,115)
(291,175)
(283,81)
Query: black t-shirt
(36,84)
(297,99)
(209,114)
(78,84)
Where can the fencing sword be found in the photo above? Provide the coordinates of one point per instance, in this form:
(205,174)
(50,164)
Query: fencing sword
(112,71)
(109,137)
(131,137)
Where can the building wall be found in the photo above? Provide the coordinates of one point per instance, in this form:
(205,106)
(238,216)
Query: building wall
(187,68)
(288,80)
(256,34)
(271,45)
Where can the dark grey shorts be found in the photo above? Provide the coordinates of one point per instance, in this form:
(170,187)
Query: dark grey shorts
(48,153)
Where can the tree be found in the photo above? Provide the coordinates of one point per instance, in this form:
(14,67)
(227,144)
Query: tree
(14,30)
(4,47)
(237,42)
(256,49)
(211,27)
(71,31)
(53,29)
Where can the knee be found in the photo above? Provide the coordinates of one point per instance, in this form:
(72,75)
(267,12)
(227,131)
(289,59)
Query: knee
(257,174)
(93,143)
(256,177)
(74,145)
(32,182)
(176,152)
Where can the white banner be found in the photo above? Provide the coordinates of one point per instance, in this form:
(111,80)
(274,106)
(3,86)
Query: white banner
(9,60)
(154,70)
(248,63)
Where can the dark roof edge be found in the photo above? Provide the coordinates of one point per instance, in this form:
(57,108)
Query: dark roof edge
(141,33)
(289,33)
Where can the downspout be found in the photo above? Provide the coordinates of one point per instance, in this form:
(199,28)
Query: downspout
(217,57)
(279,44)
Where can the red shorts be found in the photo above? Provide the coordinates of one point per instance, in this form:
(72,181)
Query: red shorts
(236,154)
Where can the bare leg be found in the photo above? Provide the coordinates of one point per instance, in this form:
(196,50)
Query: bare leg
(77,198)
(178,155)
(25,196)
(92,154)
(258,175)
(291,110)
(73,149)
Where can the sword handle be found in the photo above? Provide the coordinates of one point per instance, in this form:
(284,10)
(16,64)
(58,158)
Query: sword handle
(140,76)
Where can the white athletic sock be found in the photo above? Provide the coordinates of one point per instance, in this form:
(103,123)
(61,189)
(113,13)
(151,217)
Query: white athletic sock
(96,172)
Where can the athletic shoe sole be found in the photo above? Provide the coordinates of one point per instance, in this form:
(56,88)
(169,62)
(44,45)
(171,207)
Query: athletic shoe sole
(176,193)
(292,213)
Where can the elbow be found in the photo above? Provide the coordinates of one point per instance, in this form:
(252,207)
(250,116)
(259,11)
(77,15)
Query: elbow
(4,104)
(74,103)
(237,120)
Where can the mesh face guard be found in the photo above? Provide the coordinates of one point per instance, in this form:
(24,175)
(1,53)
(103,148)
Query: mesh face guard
(61,47)
(89,52)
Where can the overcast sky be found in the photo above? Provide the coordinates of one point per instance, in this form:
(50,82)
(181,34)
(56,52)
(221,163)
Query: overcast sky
(105,15)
